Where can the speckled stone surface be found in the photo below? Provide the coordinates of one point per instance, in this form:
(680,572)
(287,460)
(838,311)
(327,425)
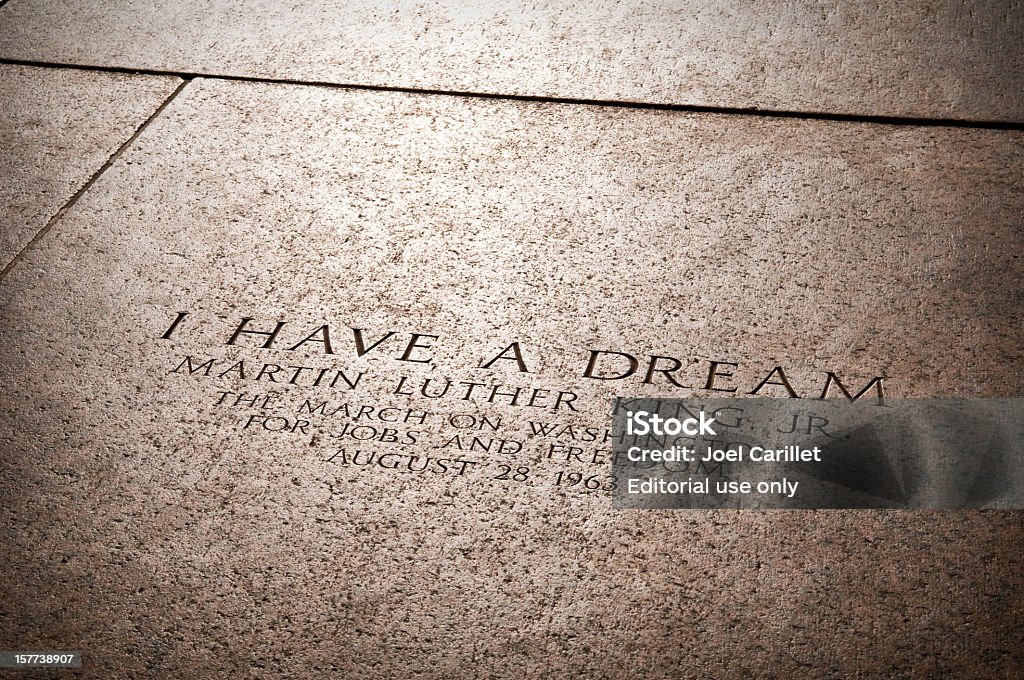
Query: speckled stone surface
(166,532)
(928,59)
(57,128)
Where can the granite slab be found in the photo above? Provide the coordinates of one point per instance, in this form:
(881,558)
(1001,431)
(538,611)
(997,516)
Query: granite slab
(955,59)
(58,128)
(315,382)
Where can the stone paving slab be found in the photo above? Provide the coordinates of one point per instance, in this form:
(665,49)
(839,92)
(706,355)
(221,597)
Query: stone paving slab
(169,510)
(949,59)
(57,128)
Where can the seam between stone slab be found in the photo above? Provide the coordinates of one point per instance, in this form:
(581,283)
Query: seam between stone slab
(689,108)
(92,179)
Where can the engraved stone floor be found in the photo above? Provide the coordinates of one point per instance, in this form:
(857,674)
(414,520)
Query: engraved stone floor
(165,525)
